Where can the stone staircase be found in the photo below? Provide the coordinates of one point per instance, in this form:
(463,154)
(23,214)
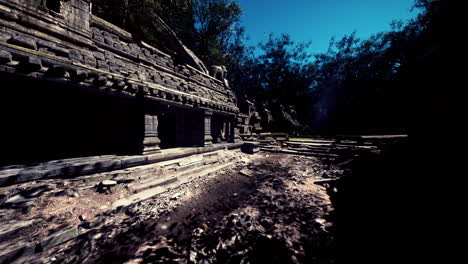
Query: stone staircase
(22,236)
(174,173)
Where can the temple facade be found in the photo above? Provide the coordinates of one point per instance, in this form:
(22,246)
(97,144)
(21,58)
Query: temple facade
(74,85)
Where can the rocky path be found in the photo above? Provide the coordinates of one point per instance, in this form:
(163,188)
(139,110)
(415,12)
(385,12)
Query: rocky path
(272,211)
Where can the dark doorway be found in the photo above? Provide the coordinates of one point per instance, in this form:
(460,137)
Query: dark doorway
(167,127)
(43,121)
(180,127)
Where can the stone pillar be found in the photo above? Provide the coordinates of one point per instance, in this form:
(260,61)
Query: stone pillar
(235,127)
(151,140)
(149,143)
(207,139)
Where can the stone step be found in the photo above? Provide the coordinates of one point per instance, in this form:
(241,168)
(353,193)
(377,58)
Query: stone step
(293,152)
(193,168)
(14,252)
(179,165)
(187,170)
(314,150)
(180,179)
(85,166)
(136,188)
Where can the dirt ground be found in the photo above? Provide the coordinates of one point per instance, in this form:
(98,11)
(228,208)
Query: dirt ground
(271,211)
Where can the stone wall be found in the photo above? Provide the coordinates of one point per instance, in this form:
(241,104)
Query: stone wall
(74,46)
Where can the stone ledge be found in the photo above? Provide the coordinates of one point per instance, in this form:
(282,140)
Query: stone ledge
(14,252)
(73,167)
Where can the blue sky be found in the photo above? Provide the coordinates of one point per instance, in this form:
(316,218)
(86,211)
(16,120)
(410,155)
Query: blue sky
(319,20)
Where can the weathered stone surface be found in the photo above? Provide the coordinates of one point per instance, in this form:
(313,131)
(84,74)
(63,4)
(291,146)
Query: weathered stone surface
(8,176)
(5,56)
(58,239)
(133,161)
(17,253)
(17,199)
(30,175)
(120,55)
(23,41)
(13,227)
(75,55)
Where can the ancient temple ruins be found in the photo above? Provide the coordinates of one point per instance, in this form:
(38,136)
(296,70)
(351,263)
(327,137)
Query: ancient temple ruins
(74,85)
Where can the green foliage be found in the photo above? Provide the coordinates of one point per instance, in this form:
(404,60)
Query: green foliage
(140,18)
(217,26)
(208,27)
(376,85)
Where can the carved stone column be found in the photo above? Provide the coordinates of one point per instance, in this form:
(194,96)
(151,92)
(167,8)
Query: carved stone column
(235,127)
(150,140)
(207,139)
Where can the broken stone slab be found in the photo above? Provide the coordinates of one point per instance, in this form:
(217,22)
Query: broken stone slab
(93,166)
(17,199)
(30,249)
(17,253)
(247,172)
(36,173)
(13,227)
(176,196)
(60,238)
(108,183)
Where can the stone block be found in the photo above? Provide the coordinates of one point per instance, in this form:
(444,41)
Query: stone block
(91,61)
(4,36)
(78,75)
(109,41)
(31,64)
(75,55)
(108,164)
(57,71)
(36,173)
(13,227)
(23,41)
(99,55)
(125,49)
(117,45)
(5,56)
(30,175)
(16,253)
(99,38)
(60,238)
(133,161)
(100,80)
(102,65)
